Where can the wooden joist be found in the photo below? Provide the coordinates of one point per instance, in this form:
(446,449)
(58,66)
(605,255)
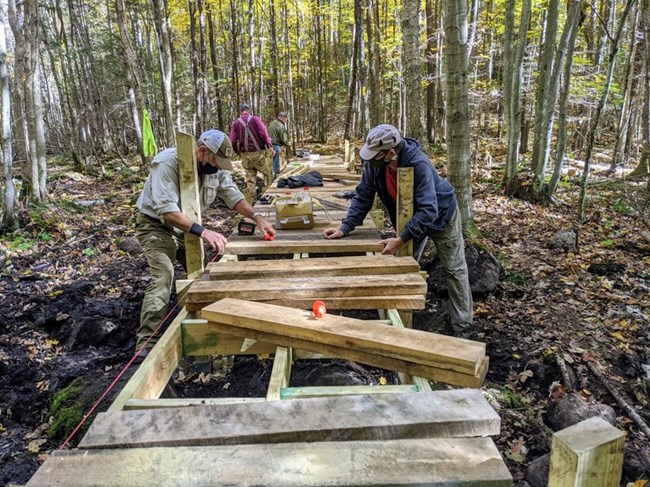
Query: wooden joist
(419,462)
(202,293)
(334,266)
(444,414)
(416,346)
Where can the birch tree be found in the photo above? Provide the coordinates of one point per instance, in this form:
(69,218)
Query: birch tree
(6,155)
(23,19)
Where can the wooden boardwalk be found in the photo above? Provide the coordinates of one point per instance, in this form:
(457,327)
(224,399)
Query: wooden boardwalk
(256,300)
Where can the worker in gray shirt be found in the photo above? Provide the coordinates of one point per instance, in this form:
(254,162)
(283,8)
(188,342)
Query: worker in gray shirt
(161,222)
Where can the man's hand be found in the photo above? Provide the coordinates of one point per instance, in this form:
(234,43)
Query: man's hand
(391,245)
(330,233)
(264,226)
(215,240)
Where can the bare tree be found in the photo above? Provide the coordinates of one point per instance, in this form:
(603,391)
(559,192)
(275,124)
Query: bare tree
(415,125)
(6,155)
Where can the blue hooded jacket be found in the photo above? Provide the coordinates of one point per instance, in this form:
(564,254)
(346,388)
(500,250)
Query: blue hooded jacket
(435,198)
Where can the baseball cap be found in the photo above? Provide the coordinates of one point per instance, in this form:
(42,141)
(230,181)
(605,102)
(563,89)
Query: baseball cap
(381,138)
(283,114)
(244,106)
(219,144)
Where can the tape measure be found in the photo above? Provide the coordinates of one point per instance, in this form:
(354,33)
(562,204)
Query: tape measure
(245,228)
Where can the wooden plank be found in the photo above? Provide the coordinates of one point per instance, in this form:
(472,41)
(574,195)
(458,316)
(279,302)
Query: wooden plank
(322,391)
(323,246)
(421,382)
(152,376)
(307,287)
(280,374)
(416,346)
(404,210)
(388,363)
(587,454)
(133,404)
(323,266)
(188,177)
(454,413)
(414,463)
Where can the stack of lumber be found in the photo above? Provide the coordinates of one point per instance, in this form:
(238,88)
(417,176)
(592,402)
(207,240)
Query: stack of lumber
(423,354)
(435,438)
(363,282)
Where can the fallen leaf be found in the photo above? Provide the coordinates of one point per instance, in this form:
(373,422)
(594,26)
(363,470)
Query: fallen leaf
(35,445)
(525,375)
(383,381)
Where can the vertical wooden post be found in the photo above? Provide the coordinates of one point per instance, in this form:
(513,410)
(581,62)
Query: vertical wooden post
(404,205)
(351,158)
(404,213)
(346,154)
(188,177)
(587,454)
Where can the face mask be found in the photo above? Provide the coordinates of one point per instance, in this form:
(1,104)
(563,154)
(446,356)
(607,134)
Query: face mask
(382,162)
(207,169)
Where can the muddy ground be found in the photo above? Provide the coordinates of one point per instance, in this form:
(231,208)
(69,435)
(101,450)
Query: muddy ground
(70,300)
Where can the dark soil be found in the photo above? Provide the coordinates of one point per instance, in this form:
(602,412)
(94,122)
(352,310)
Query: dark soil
(70,302)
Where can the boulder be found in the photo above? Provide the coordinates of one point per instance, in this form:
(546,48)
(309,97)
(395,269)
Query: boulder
(131,246)
(570,409)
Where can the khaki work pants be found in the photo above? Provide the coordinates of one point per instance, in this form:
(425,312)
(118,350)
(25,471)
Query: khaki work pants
(450,247)
(162,245)
(253,162)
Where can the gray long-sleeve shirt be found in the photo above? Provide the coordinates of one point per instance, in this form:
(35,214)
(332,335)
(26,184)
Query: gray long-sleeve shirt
(161,192)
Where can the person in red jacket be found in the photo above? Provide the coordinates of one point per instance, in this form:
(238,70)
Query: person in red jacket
(250,139)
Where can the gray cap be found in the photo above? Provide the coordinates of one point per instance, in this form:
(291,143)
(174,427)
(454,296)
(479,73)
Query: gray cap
(244,106)
(219,144)
(381,138)
(283,114)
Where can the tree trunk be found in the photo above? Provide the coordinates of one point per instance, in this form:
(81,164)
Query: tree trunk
(215,72)
(543,107)
(618,155)
(374,66)
(458,132)
(347,132)
(575,16)
(132,78)
(415,125)
(275,91)
(591,136)
(161,20)
(24,25)
(512,86)
(6,155)
(643,168)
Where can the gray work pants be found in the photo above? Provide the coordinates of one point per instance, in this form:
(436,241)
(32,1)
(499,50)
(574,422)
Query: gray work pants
(450,247)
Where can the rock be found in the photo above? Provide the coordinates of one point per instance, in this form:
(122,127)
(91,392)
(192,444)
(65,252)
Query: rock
(570,409)
(565,240)
(537,474)
(484,272)
(130,245)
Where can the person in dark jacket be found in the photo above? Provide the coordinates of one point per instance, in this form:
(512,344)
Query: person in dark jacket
(435,211)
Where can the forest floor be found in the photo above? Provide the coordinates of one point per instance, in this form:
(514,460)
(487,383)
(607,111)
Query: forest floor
(70,300)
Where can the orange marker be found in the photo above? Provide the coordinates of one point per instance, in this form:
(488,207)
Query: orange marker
(269,236)
(319,309)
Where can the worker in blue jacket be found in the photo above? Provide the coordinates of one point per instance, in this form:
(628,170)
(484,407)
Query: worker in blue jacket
(435,211)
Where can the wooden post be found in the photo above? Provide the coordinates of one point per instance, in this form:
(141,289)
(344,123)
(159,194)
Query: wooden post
(351,159)
(587,454)
(346,155)
(404,205)
(188,178)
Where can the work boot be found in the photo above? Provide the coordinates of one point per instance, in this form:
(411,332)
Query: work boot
(462,330)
